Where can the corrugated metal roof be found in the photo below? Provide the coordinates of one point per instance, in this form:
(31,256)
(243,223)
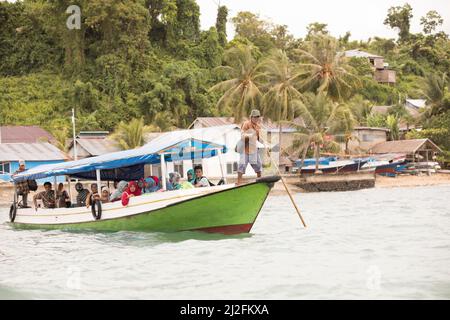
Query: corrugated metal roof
(150,136)
(30,152)
(371,129)
(360,54)
(380,109)
(206,122)
(211,122)
(402,146)
(385,109)
(98,147)
(24,134)
(418,103)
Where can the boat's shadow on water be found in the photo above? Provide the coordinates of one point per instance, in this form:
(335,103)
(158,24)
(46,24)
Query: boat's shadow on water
(139,238)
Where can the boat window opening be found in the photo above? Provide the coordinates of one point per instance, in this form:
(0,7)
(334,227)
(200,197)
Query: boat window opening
(5,167)
(178,167)
(232,168)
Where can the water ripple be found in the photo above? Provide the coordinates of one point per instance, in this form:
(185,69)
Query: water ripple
(374,244)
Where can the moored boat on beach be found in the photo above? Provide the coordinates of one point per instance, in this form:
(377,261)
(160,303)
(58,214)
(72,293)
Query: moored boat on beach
(385,164)
(338,166)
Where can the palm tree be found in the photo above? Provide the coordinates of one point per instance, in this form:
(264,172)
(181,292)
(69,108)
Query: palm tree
(346,125)
(130,135)
(326,67)
(281,79)
(400,113)
(392,123)
(61,135)
(321,117)
(361,109)
(435,89)
(241,90)
(162,122)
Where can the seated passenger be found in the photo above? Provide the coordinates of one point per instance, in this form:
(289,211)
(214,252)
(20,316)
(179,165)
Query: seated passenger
(156,179)
(47,197)
(200,180)
(93,195)
(105,195)
(117,195)
(185,185)
(62,197)
(174,181)
(150,186)
(82,195)
(141,184)
(132,191)
(191,176)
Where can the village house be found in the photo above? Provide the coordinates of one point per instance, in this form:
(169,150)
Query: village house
(382,73)
(364,138)
(416,150)
(92,144)
(34,154)
(416,103)
(29,143)
(24,134)
(414,107)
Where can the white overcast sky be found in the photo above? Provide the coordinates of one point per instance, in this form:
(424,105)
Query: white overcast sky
(363,18)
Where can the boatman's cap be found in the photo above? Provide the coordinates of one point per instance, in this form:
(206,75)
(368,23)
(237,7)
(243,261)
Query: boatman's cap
(255,113)
(21,162)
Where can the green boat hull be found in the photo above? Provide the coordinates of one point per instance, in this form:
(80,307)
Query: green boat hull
(230,211)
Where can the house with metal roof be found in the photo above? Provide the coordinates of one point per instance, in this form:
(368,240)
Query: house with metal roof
(382,72)
(92,144)
(34,154)
(270,130)
(416,103)
(24,134)
(364,138)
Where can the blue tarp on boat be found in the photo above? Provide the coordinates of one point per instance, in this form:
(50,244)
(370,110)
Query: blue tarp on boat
(176,145)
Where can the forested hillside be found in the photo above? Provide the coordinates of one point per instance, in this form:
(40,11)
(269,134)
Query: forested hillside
(149,59)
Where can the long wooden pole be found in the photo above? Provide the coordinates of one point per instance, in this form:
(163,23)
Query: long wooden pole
(286,188)
(289,194)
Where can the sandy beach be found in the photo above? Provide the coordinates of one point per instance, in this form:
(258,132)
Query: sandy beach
(384,182)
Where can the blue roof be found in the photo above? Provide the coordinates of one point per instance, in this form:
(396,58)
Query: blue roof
(176,145)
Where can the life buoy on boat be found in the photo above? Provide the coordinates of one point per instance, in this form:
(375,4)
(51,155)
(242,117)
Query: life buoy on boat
(13,212)
(96,209)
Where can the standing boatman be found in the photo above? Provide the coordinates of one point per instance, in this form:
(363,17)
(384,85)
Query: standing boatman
(248,145)
(22,186)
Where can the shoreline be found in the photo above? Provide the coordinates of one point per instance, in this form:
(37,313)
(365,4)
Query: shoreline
(436,179)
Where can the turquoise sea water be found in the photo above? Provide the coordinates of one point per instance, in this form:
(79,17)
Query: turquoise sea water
(368,244)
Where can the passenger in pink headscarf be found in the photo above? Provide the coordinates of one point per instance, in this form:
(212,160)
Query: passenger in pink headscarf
(132,191)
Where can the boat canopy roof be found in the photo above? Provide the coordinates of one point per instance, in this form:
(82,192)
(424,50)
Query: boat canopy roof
(129,164)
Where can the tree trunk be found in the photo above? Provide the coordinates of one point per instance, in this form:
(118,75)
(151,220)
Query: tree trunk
(317,156)
(305,150)
(279,143)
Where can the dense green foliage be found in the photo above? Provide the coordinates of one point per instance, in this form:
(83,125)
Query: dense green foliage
(149,59)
